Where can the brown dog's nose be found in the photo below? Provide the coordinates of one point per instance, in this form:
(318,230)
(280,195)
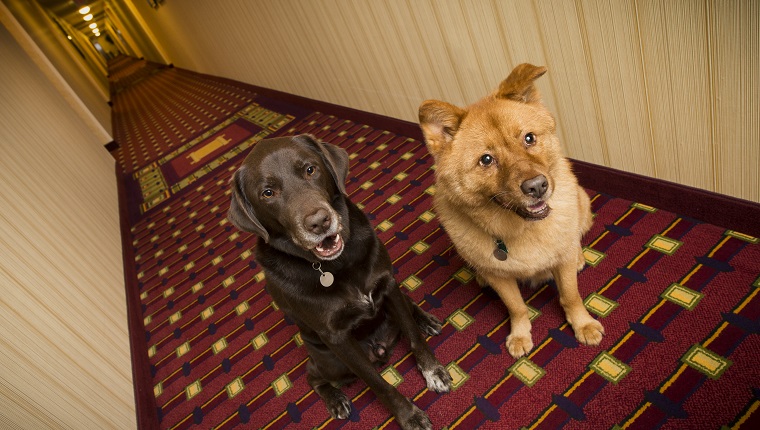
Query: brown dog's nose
(317,222)
(535,187)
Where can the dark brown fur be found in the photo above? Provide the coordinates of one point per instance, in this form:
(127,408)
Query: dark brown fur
(290,192)
(501,175)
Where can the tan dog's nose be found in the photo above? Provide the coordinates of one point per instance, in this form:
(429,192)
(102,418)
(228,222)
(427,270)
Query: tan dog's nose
(535,187)
(318,222)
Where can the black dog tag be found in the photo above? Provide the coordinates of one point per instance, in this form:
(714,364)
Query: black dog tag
(500,252)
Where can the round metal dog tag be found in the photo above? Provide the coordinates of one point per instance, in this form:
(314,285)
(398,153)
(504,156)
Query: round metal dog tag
(326,279)
(500,252)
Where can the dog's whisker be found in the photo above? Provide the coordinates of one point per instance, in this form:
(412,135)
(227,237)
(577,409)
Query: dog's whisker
(510,205)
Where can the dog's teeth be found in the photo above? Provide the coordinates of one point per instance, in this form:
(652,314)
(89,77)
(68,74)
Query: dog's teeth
(329,245)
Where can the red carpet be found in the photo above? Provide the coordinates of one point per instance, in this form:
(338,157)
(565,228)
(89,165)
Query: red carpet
(679,297)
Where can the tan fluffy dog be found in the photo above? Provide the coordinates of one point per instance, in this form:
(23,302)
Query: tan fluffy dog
(506,196)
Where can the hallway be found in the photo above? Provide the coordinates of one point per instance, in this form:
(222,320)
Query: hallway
(169,108)
(106,185)
(220,353)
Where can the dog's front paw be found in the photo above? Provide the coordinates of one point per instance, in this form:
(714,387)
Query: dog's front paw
(518,346)
(590,333)
(337,404)
(438,379)
(417,420)
(428,324)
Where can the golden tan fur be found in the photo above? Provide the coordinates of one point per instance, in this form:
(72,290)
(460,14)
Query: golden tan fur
(525,194)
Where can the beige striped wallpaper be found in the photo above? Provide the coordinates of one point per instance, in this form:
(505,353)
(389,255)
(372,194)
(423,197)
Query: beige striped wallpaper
(64,346)
(663,88)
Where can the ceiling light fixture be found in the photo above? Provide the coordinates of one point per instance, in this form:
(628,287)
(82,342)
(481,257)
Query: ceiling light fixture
(84,10)
(93,25)
(96,30)
(88,17)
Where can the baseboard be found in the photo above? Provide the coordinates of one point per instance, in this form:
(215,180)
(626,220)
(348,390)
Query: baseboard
(718,209)
(145,400)
(111,146)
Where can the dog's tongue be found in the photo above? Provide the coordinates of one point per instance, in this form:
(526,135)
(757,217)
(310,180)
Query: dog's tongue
(329,247)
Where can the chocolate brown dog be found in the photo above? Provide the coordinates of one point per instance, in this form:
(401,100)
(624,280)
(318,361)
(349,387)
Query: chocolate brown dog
(327,270)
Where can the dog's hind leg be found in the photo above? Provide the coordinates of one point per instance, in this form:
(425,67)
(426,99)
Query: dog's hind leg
(428,324)
(481,281)
(408,316)
(585,216)
(337,403)
(349,351)
(581,260)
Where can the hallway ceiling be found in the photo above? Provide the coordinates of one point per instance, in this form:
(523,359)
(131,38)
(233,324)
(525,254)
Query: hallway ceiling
(68,10)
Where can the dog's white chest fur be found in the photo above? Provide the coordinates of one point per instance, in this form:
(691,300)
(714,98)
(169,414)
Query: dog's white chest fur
(366,299)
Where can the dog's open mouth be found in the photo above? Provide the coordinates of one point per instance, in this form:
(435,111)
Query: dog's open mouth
(329,248)
(534,212)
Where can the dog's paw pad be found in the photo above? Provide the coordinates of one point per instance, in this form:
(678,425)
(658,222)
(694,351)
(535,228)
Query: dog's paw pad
(438,379)
(590,334)
(518,346)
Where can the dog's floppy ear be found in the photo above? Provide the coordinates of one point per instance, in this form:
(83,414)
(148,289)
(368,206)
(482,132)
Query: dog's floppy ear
(439,122)
(519,84)
(334,157)
(241,213)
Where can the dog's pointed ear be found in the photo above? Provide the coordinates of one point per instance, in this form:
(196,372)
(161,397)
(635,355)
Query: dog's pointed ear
(334,157)
(519,84)
(439,122)
(241,213)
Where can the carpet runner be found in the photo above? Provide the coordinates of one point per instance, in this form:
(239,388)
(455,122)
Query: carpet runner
(679,298)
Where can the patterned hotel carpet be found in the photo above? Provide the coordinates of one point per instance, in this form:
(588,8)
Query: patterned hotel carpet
(679,298)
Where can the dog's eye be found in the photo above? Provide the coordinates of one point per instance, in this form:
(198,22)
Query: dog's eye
(486,160)
(267,193)
(530,139)
(311,170)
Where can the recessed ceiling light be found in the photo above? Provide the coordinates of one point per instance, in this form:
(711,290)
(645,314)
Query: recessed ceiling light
(93,25)
(68,37)
(95,30)
(84,10)
(88,17)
